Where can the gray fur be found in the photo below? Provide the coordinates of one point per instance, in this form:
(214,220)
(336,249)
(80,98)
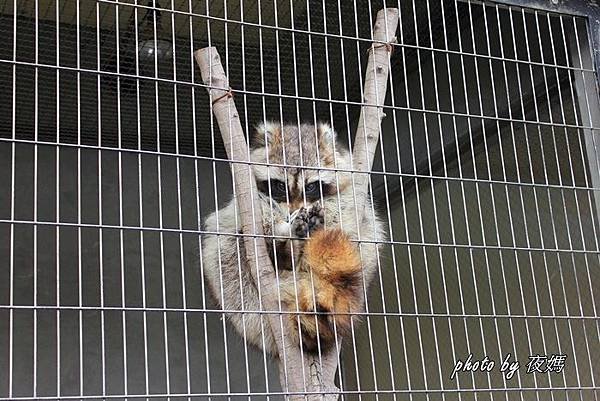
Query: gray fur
(225,270)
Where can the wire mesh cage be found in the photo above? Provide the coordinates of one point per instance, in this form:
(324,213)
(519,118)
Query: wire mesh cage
(486,179)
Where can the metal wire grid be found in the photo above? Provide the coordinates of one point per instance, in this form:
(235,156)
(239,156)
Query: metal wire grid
(509,150)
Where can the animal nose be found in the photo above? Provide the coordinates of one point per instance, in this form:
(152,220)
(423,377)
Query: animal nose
(296,204)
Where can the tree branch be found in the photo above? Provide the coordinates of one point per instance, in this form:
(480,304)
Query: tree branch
(299,373)
(371,113)
(294,368)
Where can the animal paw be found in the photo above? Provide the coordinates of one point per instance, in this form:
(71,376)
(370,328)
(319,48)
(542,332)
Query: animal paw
(308,221)
(300,223)
(316,218)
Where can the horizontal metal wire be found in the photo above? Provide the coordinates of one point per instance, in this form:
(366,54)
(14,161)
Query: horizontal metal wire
(323,168)
(341,392)
(341,36)
(297,97)
(207,232)
(149,309)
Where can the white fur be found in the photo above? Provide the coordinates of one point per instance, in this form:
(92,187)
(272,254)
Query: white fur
(229,276)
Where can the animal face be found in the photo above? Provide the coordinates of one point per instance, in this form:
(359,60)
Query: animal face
(296,156)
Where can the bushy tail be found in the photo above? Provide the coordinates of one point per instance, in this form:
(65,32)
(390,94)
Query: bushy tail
(329,282)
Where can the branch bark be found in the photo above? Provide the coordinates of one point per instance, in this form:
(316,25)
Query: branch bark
(371,113)
(299,373)
(296,371)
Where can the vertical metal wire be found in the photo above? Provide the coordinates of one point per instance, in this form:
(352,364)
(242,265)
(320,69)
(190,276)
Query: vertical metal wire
(233,179)
(320,351)
(402,183)
(418,205)
(217,214)
(57,199)
(141,209)
(446,182)
(371,211)
(197,204)
(346,113)
(244,335)
(79,249)
(285,176)
(179,208)
(297,104)
(337,178)
(11,262)
(303,179)
(100,221)
(121,207)
(271,215)
(35,197)
(352,328)
(380,271)
(357,220)
(160,201)
(318,155)
(226,32)
(285,172)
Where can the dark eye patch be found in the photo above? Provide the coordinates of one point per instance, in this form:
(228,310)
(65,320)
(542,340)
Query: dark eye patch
(317,189)
(328,189)
(278,189)
(313,188)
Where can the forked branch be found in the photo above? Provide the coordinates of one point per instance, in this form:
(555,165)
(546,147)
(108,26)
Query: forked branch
(299,373)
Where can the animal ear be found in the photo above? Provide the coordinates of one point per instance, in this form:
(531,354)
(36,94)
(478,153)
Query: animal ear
(326,134)
(267,132)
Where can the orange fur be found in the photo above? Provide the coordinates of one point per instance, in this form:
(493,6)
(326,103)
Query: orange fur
(329,283)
